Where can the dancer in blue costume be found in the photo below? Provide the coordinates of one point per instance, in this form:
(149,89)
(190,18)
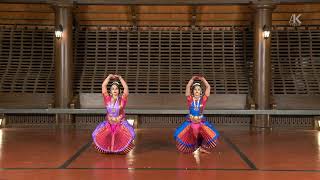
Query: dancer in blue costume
(196,132)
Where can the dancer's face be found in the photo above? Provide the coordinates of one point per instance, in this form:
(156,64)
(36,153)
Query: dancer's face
(114,90)
(197,91)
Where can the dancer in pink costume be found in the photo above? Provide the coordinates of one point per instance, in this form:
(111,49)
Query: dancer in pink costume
(115,134)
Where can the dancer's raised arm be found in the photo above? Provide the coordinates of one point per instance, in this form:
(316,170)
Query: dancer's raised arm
(208,88)
(105,83)
(188,93)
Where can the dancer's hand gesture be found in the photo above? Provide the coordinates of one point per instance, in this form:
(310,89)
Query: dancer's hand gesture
(117,76)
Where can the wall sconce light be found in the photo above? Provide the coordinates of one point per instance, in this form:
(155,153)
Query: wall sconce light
(266,32)
(131,121)
(2,122)
(58,31)
(317,124)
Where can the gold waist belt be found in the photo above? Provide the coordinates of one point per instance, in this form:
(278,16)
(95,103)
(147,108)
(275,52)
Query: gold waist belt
(195,117)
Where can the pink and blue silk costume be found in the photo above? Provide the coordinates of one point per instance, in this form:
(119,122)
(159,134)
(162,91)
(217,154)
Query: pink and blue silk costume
(191,135)
(111,137)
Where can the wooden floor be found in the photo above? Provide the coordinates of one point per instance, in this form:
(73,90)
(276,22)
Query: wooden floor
(241,154)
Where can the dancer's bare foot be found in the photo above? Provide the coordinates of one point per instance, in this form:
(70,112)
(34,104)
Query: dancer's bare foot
(204,151)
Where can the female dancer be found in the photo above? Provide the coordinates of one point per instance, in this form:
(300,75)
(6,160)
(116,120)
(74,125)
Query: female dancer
(196,132)
(115,134)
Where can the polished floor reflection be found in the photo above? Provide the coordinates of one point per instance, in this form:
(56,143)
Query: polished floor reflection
(241,154)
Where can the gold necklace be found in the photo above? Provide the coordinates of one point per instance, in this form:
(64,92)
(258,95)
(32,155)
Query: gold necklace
(113,109)
(196,106)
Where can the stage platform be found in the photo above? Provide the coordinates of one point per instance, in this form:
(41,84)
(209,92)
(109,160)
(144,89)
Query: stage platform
(55,153)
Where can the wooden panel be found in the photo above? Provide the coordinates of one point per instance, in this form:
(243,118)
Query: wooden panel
(160,9)
(103,8)
(172,23)
(5,7)
(26,15)
(303,17)
(223,23)
(163,23)
(297,102)
(310,13)
(25,100)
(36,14)
(101,16)
(207,17)
(314,7)
(164,17)
(225,9)
(91,100)
(106,23)
(163,9)
(304,22)
(44,22)
(227,101)
(163,2)
(166,101)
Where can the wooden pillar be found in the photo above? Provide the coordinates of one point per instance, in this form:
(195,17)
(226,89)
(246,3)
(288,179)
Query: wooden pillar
(64,59)
(262,62)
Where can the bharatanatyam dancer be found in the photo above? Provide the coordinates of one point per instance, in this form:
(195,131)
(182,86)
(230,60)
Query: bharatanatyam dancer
(196,133)
(115,134)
